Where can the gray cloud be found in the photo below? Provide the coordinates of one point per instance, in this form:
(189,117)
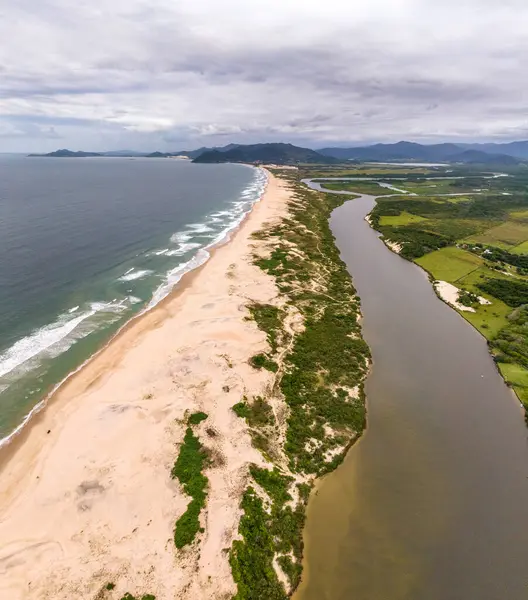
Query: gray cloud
(162,74)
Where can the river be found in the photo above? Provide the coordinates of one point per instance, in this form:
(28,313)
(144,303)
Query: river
(432,502)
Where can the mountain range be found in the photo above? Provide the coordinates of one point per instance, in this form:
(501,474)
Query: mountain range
(280,153)
(500,154)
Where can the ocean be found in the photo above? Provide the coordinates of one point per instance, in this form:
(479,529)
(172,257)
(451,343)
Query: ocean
(86,244)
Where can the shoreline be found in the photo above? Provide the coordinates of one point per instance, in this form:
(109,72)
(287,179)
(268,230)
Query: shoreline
(395,249)
(75,478)
(185,280)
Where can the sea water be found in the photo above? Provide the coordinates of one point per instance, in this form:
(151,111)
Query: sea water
(86,244)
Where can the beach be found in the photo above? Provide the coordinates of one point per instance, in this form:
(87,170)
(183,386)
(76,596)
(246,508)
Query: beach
(87,498)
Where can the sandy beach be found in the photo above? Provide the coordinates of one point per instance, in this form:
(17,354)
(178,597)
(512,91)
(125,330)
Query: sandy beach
(86,496)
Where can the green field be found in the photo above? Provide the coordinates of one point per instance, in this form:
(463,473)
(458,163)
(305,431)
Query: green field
(360,187)
(459,239)
(519,215)
(516,376)
(450,264)
(403,218)
(520,249)
(489,319)
(505,236)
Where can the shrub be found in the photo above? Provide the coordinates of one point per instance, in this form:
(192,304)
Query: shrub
(196,418)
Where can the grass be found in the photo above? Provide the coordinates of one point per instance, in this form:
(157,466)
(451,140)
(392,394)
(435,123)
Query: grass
(188,470)
(520,249)
(489,319)
(519,215)
(403,218)
(450,264)
(517,377)
(360,187)
(504,236)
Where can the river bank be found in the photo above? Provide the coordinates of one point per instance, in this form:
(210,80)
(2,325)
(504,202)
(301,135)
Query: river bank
(437,485)
(87,497)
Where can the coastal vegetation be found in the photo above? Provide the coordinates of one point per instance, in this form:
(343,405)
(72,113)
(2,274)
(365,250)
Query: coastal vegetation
(315,408)
(478,242)
(188,469)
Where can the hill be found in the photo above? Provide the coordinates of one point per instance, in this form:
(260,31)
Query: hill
(516,149)
(64,153)
(419,152)
(282,154)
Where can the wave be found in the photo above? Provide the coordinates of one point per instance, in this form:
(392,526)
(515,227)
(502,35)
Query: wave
(132,275)
(235,216)
(53,339)
(174,276)
(183,249)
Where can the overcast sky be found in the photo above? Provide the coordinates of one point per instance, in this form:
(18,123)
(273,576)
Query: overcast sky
(175,74)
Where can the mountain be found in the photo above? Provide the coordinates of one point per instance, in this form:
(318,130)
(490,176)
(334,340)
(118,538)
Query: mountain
(64,153)
(484,158)
(419,152)
(204,149)
(516,149)
(283,154)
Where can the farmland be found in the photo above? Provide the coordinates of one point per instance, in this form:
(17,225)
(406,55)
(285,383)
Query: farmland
(474,240)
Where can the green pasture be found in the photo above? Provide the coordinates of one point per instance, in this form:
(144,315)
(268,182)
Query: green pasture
(449,264)
(404,218)
(517,376)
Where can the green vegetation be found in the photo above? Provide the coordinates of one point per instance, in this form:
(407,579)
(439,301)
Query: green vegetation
(188,470)
(251,558)
(266,534)
(128,596)
(467,298)
(257,413)
(262,361)
(241,409)
(478,242)
(360,187)
(405,218)
(314,373)
(520,249)
(517,377)
(504,236)
(196,418)
(268,318)
(450,264)
(513,293)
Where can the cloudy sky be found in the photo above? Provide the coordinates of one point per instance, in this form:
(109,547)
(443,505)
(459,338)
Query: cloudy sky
(174,74)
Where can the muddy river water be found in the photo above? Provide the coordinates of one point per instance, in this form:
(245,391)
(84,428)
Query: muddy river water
(432,502)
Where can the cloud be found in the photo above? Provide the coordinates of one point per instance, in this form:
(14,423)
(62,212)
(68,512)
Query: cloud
(161,73)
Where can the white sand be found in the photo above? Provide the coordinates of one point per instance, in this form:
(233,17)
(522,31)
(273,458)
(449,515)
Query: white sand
(449,293)
(394,246)
(86,494)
